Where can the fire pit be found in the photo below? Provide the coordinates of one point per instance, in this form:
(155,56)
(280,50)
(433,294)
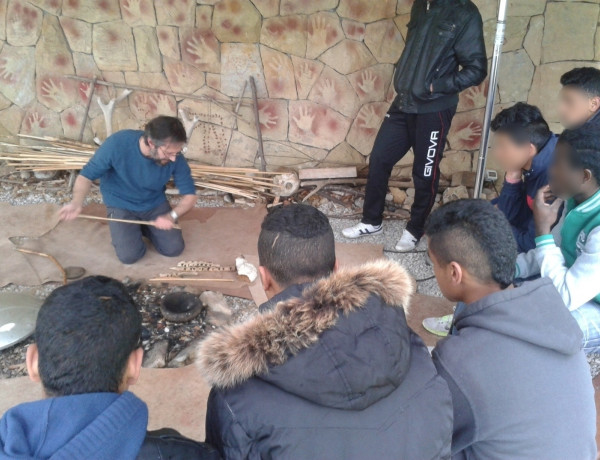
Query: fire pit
(180,307)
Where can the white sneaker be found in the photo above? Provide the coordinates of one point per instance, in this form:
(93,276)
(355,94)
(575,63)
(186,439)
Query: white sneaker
(407,243)
(361,229)
(439,326)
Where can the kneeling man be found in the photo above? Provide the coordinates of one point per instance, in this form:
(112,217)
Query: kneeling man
(134,168)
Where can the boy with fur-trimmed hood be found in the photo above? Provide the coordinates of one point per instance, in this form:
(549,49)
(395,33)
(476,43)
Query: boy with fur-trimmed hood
(329,368)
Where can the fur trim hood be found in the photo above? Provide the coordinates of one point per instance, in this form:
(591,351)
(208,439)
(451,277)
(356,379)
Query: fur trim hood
(270,346)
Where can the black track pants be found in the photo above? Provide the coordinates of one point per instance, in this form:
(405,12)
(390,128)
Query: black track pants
(426,133)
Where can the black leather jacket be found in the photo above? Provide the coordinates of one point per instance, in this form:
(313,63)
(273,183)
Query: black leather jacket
(444,48)
(168,444)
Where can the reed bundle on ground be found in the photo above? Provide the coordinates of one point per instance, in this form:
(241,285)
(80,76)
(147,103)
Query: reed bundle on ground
(53,154)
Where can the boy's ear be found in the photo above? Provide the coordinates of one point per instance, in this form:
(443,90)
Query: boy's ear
(587,176)
(132,369)
(31,360)
(456,273)
(265,277)
(532,150)
(595,103)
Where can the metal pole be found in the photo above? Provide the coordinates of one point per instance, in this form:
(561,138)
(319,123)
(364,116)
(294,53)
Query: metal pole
(491,97)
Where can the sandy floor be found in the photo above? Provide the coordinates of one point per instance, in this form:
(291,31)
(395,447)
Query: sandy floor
(17,192)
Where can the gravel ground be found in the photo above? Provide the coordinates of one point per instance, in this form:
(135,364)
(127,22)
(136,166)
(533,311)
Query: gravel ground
(179,335)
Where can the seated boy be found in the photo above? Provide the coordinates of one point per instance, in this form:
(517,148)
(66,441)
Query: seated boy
(86,354)
(520,384)
(571,258)
(329,368)
(523,146)
(580,98)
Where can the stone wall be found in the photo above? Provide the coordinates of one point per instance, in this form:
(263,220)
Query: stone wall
(323,70)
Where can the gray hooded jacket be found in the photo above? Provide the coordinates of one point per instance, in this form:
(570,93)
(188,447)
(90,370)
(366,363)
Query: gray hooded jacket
(520,384)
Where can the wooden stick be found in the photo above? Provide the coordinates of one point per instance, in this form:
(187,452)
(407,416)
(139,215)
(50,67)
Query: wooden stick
(203,280)
(47,256)
(161,91)
(261,153)
(125,221)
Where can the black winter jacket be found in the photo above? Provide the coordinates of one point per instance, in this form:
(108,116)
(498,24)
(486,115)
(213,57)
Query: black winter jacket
(444,48)
(168,444)
(329,371)
(520,383)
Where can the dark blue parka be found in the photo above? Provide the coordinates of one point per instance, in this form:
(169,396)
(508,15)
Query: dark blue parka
(329,371)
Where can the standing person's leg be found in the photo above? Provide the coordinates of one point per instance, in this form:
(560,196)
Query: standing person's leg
(126,238)
(391,144)
(431,132)
(167,242)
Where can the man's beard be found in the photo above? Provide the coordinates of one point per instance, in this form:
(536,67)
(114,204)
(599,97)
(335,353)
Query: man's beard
(155,157)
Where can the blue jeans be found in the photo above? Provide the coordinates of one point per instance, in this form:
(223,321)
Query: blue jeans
(127,239)
(588,318)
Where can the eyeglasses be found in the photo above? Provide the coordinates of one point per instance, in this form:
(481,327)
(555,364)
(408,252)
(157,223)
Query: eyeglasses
(170,155)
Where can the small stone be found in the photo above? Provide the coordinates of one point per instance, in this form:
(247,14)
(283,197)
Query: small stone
(410,192)
(156,357)
(389,197)
(186,356)
(455,193)
(399,195)
(145,334)
(218,314)
(359,202)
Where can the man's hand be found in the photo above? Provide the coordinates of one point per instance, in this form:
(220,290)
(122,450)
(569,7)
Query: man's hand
(70,211)
(513,177)
(164,222)
(544,213)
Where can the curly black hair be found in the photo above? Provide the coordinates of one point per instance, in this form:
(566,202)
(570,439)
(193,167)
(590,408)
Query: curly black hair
(524,123)
(585,148)
(296,244)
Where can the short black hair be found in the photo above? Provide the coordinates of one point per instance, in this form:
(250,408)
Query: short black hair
(585,148)
(296,244)
(476,235)
(586,79)
(524,123)
(85,333)
(163,129)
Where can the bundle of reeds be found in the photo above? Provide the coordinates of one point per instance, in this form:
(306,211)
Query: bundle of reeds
(53,154)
